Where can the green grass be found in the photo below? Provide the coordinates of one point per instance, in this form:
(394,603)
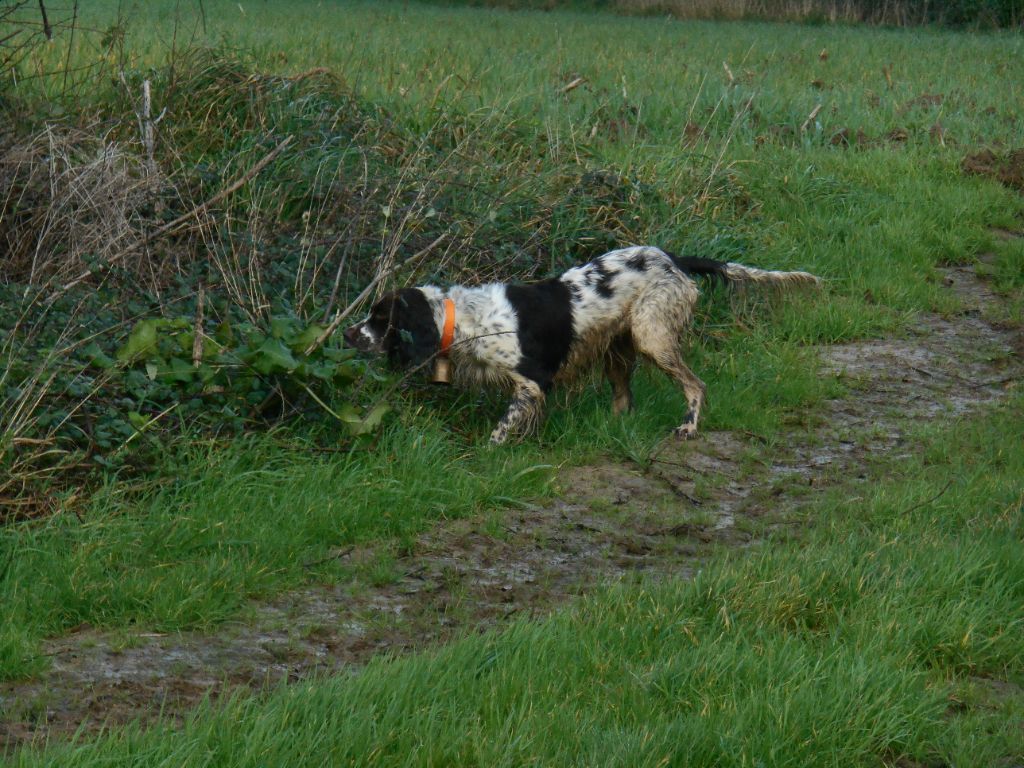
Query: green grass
(753,186)
(843,650)
(850,647)
(240,523)
(231,522)
(873,222)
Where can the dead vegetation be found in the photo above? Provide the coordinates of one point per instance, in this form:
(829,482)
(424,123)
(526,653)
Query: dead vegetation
(72,201)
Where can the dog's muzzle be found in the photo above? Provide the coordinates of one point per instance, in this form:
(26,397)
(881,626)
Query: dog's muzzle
(355,338)
(351,335)
(359,337)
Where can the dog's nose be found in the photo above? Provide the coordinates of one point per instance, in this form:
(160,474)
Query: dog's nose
(351,334)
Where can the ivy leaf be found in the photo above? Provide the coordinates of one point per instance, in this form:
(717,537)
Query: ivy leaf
(224,334)
(299,342)
(137,420)
(373,419)
(338,354)
(206,372)
(346,373)
(180,371)
(282,327)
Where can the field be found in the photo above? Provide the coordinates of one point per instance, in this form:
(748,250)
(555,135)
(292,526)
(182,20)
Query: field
(303,558)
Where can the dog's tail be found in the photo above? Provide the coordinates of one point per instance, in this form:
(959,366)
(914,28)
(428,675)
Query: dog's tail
(730,272)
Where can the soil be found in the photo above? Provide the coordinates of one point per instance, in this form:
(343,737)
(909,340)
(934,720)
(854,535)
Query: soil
(1007,168)
(611,521)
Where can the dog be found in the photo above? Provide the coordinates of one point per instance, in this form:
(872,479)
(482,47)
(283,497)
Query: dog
(531,337)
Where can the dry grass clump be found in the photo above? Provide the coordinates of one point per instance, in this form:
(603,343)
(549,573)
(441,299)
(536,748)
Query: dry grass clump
(72,201)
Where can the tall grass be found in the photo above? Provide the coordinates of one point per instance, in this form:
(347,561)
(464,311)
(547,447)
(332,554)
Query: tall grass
(660,143)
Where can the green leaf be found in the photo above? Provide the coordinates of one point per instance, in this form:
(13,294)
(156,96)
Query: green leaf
(346,373)
(375,416)
(224,334)
(97,358)
(338,354)
(282,327)
(300,341)
(206,372)
(141,341)
(273,357)
(179,370)
(362,425)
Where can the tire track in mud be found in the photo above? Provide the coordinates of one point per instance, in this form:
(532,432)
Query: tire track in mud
(612,520)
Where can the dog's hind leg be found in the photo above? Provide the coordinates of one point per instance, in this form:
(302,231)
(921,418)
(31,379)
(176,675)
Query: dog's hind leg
(618,367)
(659,318)
(523,412)
(664,354)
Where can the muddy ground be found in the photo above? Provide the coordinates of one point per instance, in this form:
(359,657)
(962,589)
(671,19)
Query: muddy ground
(611,520)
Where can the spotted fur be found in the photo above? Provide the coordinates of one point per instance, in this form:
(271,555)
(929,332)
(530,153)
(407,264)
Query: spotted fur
(529,338)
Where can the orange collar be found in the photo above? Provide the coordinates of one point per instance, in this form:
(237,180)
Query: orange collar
(449,326)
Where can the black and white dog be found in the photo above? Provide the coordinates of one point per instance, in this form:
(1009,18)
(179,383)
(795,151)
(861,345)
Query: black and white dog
(530,337)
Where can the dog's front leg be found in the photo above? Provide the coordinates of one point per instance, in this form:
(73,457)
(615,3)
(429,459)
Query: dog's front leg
(523,412)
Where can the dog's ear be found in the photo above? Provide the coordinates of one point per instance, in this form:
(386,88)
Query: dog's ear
(413,336)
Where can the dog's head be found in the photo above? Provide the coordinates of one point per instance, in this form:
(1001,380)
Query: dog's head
(401,324)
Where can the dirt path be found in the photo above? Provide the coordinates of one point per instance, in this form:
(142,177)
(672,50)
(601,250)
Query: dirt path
(612,520)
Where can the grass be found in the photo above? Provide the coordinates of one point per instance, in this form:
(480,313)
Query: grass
(244,521)
(232,522)
(857,645)
(988,13)
(849,645)
(746,183)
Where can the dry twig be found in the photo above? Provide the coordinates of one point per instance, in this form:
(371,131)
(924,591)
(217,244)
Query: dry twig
(573,85)
(810,118)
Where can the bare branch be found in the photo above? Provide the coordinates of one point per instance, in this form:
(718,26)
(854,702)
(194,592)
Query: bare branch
(47,29)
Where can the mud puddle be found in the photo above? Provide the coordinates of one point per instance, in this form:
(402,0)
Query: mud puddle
(612,521)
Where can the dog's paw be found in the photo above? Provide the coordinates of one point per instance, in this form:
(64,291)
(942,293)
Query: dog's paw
(686,432)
